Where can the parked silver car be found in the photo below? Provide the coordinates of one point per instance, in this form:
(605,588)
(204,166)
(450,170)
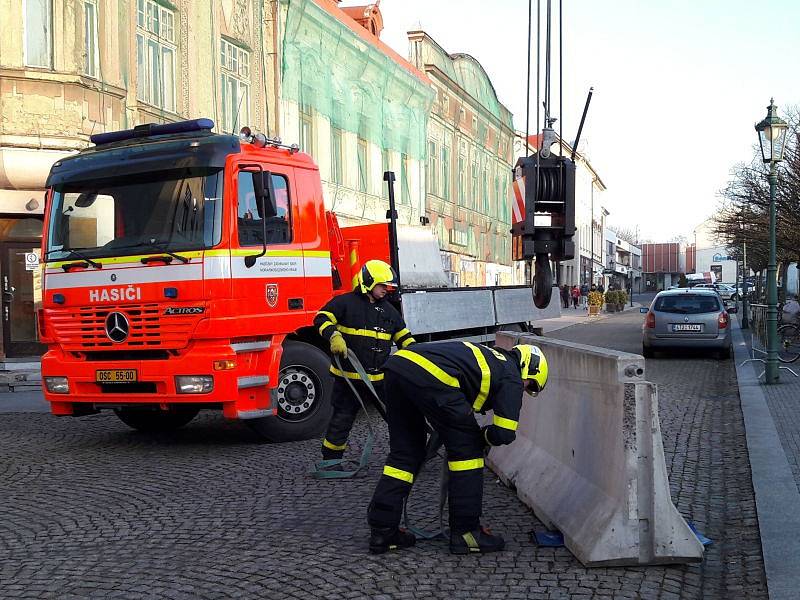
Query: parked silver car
(725,290)
(687,318)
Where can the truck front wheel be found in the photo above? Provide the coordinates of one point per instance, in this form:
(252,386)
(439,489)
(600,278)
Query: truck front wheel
(303,396)
(156,420)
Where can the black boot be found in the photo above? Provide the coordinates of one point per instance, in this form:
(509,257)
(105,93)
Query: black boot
(478,541)
(384,539)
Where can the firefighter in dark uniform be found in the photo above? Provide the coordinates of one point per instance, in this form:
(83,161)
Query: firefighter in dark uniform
(368,324)
(446,383)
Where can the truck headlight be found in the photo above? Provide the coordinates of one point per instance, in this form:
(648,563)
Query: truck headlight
(194,384)
(57,385)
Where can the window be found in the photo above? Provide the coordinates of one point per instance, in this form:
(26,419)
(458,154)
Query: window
(306,129)
(336,155)
(363,164)
(249,218)
(473,201)
(485,186)
(155,54)
(91,59)
(179,209)
(445,172)
(462,180)
(433,169)
(405,181)
(235,69)
(39,33)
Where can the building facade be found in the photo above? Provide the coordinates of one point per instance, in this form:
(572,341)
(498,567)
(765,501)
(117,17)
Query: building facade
(711,256)
(356,106)
(72,68)
(623,268)
(662,265)
(469,159)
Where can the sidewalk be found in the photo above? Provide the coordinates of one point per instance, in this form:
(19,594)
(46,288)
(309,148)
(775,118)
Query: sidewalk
(772,421)
(570,317)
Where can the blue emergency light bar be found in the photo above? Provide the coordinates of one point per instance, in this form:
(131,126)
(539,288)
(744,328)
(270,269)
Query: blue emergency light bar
(149,129)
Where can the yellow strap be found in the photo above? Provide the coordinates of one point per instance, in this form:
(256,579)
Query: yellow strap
(352,375)
(505,423)
(396,337)
(330,315)
(398,474)
(331,446)
(325,325)
(408,342)
(486,376)
(364,332)
(465,465)
(431,368)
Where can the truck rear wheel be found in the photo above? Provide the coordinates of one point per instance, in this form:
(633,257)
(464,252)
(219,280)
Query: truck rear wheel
(156,420)
(303,396)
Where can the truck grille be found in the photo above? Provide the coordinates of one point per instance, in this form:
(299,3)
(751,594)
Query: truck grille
(82,329)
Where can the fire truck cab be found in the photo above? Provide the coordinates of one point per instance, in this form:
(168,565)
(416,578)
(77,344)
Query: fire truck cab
(182,271)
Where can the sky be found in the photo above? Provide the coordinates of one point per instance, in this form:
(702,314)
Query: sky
(678,87)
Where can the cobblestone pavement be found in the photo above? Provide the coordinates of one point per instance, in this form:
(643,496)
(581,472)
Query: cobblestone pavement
(782,400)
(90,509)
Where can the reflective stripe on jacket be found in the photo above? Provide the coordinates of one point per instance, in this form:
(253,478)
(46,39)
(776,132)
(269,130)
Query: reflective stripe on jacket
(488,378)
(369,329)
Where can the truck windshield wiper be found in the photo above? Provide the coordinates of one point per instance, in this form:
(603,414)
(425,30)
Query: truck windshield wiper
(74,253)
(152,243)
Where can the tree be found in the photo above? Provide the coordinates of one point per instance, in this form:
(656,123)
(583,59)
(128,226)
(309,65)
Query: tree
(743,217)
(628,234)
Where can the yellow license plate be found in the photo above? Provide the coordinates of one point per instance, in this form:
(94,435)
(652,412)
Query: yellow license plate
(116,376)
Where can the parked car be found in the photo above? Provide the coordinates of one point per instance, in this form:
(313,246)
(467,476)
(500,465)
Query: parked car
(693,318)
(725,290)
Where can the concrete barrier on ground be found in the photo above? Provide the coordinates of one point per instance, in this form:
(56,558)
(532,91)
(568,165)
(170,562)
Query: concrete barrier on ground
(589,460)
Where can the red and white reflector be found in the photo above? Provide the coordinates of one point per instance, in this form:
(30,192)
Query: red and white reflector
(518,202)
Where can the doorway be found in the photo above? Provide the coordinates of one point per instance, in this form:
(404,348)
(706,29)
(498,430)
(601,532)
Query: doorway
(20,286)
(18,306)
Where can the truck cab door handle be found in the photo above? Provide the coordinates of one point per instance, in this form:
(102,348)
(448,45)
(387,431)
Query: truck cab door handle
(295,303)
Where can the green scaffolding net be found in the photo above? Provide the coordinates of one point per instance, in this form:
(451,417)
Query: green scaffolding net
(352,82)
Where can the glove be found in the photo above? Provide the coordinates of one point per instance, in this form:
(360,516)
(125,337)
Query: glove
(338,345)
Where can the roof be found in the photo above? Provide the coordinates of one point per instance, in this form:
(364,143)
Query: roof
(341,15)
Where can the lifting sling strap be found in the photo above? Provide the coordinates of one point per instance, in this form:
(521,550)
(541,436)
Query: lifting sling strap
(331,468)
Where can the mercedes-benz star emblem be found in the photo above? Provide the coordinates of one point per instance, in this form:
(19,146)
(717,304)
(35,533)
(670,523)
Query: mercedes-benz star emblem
(117,327)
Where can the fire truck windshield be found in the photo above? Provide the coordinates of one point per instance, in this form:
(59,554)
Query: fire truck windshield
(175,209)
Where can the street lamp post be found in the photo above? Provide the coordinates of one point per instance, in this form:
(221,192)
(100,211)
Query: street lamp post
(772,139)
(745,289)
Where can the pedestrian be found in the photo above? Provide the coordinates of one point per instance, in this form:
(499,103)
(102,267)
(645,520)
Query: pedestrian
(593,288)
(367,323)
(584,296)
(601,289)
(576,295)
(565,296)
(445,383)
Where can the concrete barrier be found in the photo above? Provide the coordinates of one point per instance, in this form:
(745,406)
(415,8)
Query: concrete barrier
(589,461)
(515,305)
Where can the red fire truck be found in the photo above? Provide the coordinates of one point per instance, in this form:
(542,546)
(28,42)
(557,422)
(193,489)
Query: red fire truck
(182,271)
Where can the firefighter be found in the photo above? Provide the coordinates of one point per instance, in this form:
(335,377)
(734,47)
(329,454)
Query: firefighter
(446,383)
(368,324)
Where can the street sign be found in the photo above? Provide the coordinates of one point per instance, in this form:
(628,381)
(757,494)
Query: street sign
(31,261)
(720,257)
